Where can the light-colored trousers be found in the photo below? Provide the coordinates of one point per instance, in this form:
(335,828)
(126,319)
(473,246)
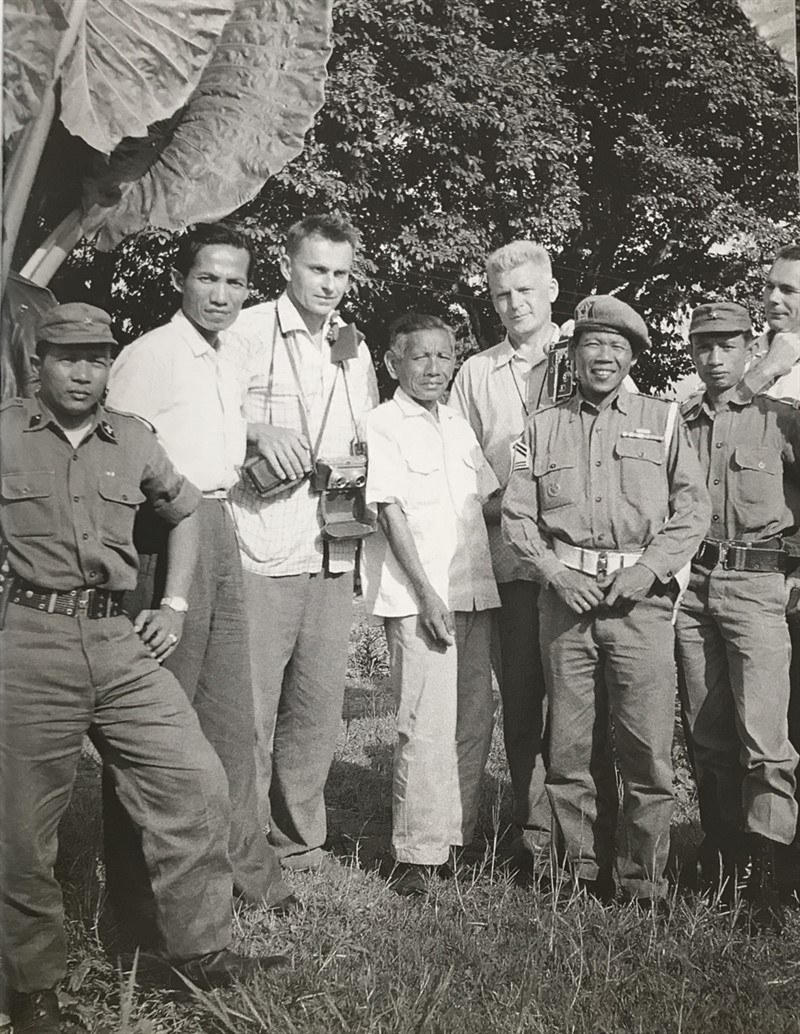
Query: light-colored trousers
(733,652)
(445,710)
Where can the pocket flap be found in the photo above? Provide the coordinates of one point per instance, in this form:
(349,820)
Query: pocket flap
(118,490)
(546,464)
(750,458)
(32,484)
(640,449)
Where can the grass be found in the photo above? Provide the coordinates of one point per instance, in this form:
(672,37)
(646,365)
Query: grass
(478,955)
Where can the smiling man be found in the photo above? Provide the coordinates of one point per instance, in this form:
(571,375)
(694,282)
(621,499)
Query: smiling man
(429,579)
(177,378)
(733,640)
(309,383)
(608,509)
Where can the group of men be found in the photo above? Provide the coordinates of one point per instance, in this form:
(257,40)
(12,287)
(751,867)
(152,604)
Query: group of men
(216,703)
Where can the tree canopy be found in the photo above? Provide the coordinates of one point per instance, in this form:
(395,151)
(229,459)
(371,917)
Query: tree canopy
(650,146)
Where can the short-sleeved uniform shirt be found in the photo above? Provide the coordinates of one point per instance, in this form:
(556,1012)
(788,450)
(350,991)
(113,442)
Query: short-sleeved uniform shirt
(746,449)
(604,477)
(67,512)
(435,471)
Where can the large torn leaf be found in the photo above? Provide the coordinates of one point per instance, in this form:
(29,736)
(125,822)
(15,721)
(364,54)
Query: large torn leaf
(135,62)
(31,32)
(245,120)
(776,22)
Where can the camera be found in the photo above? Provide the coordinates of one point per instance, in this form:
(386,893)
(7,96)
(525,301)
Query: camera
(340,474)
(258,475)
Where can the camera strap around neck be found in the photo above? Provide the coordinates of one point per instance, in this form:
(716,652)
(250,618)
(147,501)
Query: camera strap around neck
(340,367)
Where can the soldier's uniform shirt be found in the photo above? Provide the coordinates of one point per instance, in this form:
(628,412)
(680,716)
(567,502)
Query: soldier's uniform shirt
(67,514)
(604,478)
(68,511)
(733,642)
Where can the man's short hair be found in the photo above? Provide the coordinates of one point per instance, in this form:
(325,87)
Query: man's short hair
(330,226)
(517,253)
(412,322)
(203,234)
(790,252)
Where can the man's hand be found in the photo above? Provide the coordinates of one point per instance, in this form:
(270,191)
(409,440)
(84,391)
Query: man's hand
(783,353)
(628,585)
(793,586)
(437,620)
(287,453)
(579,591)
(159,630)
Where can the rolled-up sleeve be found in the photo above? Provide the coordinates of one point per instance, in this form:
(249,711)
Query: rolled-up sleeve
(386,470)
(170,495)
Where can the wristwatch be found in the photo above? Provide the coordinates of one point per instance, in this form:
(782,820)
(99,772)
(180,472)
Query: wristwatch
(177,603)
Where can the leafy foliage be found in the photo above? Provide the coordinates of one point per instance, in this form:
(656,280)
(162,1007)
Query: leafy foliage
(650,146)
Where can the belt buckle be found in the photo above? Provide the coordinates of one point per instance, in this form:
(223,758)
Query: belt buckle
(735,557)
(602,564)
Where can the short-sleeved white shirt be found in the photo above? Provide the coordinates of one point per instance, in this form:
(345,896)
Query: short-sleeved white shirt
(435,470)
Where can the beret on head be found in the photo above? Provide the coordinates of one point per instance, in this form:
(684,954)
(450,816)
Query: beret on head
(604,312)
(76,323)
(720,318)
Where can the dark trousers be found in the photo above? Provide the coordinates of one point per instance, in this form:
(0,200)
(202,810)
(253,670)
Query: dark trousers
(212,665)
(59,675)
(524,696)
(794,702)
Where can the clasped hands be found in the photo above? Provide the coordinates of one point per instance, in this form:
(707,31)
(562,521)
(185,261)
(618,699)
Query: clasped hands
(583,593)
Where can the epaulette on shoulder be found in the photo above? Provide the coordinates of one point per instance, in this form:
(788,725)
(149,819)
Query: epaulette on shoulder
(549,406)
(691,401)
(133,416)
(791,403)
(11,403)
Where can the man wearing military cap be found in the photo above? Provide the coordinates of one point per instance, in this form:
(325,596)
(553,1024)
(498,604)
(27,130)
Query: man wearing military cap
(733,641)
(72,476)
(608,509)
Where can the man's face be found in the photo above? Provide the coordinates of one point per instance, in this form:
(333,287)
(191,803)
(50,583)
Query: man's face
(721,358)
(317,275)
(603,359)
(215,288)
(72,380)
(782,295)
(523,298)
(425,367)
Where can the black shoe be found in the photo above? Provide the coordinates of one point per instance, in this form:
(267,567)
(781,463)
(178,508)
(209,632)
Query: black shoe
(223,968)
(602,889)
(410,881)
(35,1013)
(762,893)
(288,904)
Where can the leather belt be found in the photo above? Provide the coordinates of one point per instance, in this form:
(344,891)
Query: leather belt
(598,562)
(92,603)
(742,556)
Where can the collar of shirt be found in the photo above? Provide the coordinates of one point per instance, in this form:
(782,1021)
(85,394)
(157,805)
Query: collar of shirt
(506,351)
(191,335)
(619,399)
(699,403)
(410,407)
(291,322)
(42,417)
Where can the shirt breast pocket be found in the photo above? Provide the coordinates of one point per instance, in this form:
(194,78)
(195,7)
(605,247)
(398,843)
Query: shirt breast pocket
(557,478)
(121,500)
(642,460)
(28,504)
(756,471)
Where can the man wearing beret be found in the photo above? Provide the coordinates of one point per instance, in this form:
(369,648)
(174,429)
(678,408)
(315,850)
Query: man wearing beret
(733,640)
(73,475)
(605,512)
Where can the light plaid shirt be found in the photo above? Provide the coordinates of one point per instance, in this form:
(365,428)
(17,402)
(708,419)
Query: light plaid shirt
(281,536)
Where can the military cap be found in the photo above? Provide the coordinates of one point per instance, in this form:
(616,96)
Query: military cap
(720,318)
(604,312)
(76,323)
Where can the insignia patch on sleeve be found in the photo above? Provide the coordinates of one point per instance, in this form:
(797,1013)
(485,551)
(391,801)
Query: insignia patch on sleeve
(519,454)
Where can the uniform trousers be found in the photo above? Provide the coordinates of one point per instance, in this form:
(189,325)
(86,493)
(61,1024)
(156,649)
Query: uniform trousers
(794,704)
(59,675)
(445,709)
(733,652)
(299,635)
(212,664)
(616,664)
(524,696)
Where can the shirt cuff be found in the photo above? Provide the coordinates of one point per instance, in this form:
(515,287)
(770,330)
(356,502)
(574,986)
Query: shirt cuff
(183,505)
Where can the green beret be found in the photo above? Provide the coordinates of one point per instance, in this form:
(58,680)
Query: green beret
(720,318)
(76,323)
(604,312)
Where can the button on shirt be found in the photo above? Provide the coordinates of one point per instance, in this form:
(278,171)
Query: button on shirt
(436,472)
(67,511)
(602,477)
(494,391)
(187,390)
(281,536)
(745,449)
